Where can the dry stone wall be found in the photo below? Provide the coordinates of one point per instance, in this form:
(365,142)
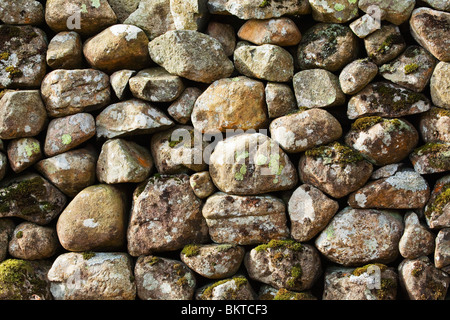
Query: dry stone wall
(224,150)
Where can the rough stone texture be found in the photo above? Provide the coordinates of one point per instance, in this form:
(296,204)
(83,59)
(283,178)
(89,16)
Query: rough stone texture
(266,62)
(439,85)
(355,237)
(412,69)
(118,47)
(430,28)
(7,227)
(278,31)
(65,51)
(304,130)
(225,34)
(335,169)
(22,61)
(85,226)
(66,92)
(365,25)
(122,161)
(309,211)
(258,219)
(327,45)
(213,261)
(181,109)
(421,280)
(382,141)
(356,75)
(21,12)
(66,133)
(406,189)
(442,251)
(339,11)
(120,83)
(439,4)
(123,8)
(288,264)
(23,153)
(152,16)
(232,103)
(434,125)
(235,288)
(384,44)
(33,242)
(178,52)
(202,184)
(131,117)
(156,85)
(317,88)
(30,197)
(22,114)
(431,158)
(165,216)
(160,278)
(255,9)
(178,150)
(280,99)
(396,12)
(24,280)
(388,100)
(92,276)
(416,240)
(249,164)
(87,17)
(189,14)
(437,210)
(371,282)
(71,171)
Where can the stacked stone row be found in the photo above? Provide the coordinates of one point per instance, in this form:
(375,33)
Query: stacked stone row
(224,149)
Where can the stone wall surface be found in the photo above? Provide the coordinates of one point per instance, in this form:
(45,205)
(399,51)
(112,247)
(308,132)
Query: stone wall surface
(224,150)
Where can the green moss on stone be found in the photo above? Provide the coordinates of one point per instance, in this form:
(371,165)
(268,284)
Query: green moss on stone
(88,255)
(264,3)
(390,40)
(411,68)
(13,71)
(438,154)
(239,282)
(335,152)
(284,294)
(387,286)
(396,99)
(362,124)
(330,34)
(19,234)
(153,260)
(4,55)
(191,250)
(280,244)
(436,208)
(359,271)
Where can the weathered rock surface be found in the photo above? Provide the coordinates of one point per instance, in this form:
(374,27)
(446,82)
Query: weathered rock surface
(24,280)
(355,237)
(439,85)
(356,75)
(160,278)
(416,240)
(22,61)
(280,99)
(202,184)
(437,210)
(422,280)
(165,216)
(442,250)
(261,218)
(309,211)
(406,189)
(300,131)
(249,164)
(131,117)
(71,171)
(235,288)
(284,264)
(65,51)
(66,92)
(232,103)
(339,11)
(7,226)
(370,282)
(118,47)
(434,125)
(430,28)
(385,44)
(213,261)
(396,12)
(86,226)
(21,12)
(33,242)
(30,197)
(277,31)
(92,276)
(66,133)
(23,153)
(431,158)
(335,169)
(178,52)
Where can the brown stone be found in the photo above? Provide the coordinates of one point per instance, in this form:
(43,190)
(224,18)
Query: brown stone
(245,220)
(434,125)
(384,44)
(417,240)
(65,51)
(225,34)
(278,31)
(23,153)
